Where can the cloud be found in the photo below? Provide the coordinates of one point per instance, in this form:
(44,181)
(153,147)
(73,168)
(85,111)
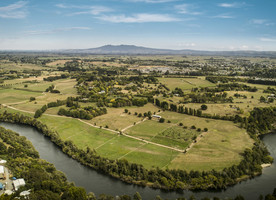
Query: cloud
(138,18)
(187,9)
(58,30)
(268,39)
(187,45)
(231,5)
(14,11)
(224,16)
(261,22)
(93,10)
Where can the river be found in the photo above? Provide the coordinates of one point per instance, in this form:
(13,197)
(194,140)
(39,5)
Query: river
(98,183)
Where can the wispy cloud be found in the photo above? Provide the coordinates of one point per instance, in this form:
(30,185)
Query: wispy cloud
(224,16)
(14,11)
(58,30)
(138,18)
(232,5)
(268,39)
(261,22)
(93,10)
(187,9)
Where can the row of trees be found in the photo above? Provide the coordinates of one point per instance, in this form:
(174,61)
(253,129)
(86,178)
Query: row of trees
(54,78)
(194,112)
(226,87)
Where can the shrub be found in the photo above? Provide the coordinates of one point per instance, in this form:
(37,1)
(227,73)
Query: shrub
(203,107)
(32,98)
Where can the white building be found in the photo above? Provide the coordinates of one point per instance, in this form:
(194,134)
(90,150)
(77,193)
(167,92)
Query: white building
(157,116)
(2,172)
(18,183)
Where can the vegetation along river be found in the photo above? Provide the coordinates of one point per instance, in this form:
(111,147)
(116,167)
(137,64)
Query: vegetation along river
(99,183)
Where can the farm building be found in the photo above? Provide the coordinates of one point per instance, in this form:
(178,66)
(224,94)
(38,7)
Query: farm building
(18,183)
(156,116)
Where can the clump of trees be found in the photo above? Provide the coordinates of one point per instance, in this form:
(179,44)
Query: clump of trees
(83,113)
(52,89)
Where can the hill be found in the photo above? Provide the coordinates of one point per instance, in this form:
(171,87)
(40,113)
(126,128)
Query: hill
(138,50)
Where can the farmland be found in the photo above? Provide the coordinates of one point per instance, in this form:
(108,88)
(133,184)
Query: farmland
(118,121)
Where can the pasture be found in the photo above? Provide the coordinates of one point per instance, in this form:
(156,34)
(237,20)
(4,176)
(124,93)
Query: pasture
(185,83)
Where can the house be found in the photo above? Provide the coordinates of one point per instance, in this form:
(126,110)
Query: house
(18,183)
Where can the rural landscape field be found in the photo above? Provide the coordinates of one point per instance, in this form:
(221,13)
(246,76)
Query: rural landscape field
(137,99)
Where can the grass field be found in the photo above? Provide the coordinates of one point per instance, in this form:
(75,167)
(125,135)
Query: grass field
(11,96)
(185,83)
(219,148)
(117,119)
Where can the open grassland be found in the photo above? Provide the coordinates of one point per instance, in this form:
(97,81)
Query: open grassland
(152,155)
(66,86)
(11,95)
(40,101)
(185,83)
(58,63)
(7,65)
(116,118)
(220,147)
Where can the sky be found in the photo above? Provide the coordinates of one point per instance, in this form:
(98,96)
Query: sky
(213,25)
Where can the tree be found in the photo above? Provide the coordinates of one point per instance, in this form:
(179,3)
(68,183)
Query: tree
(32,98)
(137,196)
(262,99)
(203,107)
(126,110)
(161,120)
(38,113)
